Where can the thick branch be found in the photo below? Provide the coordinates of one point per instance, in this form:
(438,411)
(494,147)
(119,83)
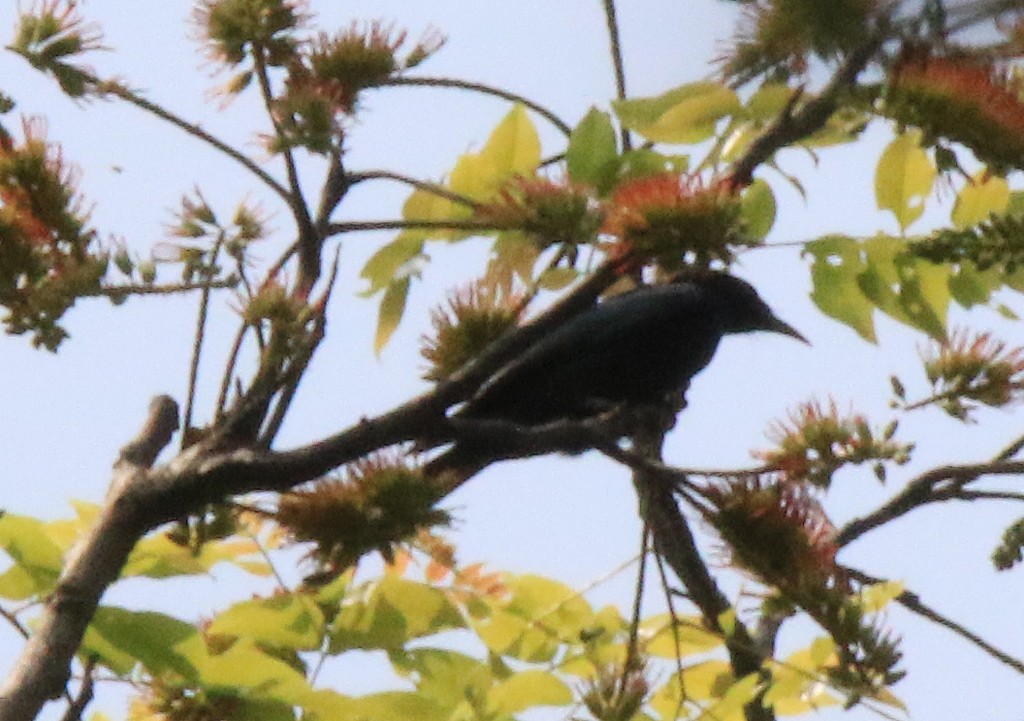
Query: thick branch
(794,125)
(142,499)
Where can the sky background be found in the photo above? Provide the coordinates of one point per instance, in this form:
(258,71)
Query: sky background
(63,417)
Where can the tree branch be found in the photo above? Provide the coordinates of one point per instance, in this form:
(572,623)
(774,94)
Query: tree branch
(673,540)
(797,122)
(93,564)
(937,484)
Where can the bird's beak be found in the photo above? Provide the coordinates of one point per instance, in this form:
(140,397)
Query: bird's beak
(781,326)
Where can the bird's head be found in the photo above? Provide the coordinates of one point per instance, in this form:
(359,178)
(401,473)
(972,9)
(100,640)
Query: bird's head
(740,308)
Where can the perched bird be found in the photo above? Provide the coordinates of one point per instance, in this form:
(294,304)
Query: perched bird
(633,349)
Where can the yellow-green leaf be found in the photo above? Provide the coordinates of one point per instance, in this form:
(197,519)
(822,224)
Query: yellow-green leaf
(508,634)
(904,178)
(528,689)
(396,706)
(244,666)
(443,675)
(689,637)
(979,199)
(392,261)
(836,291)
(701,682)
(912,291)
(392,306)
(393,612)
(730,707)
(37,558)
(514,146)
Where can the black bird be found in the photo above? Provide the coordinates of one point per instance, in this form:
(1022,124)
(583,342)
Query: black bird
(633,349)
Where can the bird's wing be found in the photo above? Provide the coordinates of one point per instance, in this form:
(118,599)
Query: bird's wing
(630,347)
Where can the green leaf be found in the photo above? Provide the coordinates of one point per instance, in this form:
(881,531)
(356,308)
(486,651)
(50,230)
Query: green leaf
(836,291)
(558,278)
(757,206)
(644,161)
(394,612)
(686,114)
(970,286)
(528,689)
(592,157)
(904,178)
(392,260)
(979,199)
(37,558)
(159,642)
(287,621)
(392,306)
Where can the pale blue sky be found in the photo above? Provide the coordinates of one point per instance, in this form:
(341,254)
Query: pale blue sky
(64,417)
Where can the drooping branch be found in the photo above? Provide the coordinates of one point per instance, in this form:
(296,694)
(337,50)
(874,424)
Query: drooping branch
(425,82)
(912,602)
(120,91)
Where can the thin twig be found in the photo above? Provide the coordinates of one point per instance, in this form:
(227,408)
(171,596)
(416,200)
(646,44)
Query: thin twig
(299,362)
(309,242)
(424,185)
(615,45)
(630,663)
(197,344)
(229,371)
(13,620)
(356,226)
(548,115)
(85,693)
